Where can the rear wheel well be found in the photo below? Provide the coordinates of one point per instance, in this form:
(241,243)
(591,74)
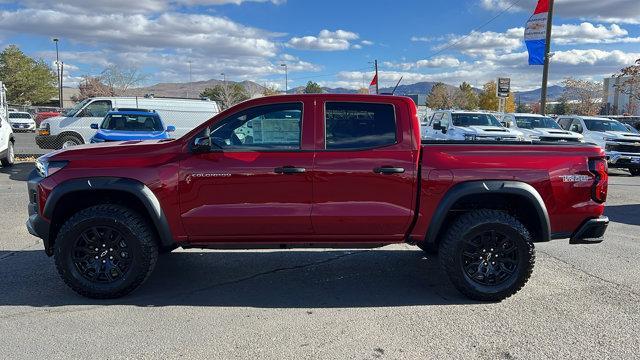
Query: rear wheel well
(73,202)
(516,205)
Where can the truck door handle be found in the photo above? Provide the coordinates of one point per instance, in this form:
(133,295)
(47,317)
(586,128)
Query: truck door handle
(289,170)
(387,170)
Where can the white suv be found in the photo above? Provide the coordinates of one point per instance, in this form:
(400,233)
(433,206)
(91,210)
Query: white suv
(6,134)
(621,146)
(536,127)
(22,121)
(467,125)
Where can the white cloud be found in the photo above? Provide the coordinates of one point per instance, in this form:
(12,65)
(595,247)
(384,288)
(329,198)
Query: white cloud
(620,11)
(437,62)
(325,41)
(477,43)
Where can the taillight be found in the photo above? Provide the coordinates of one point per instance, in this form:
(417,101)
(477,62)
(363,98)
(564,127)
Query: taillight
(600,169)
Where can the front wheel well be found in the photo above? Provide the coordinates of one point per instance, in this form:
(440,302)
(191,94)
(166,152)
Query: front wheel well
(516,205)
(73,202)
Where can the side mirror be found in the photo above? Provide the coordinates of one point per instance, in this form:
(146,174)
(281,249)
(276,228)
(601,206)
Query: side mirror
(437,126)
(171,128)
(94,126)
(201,145)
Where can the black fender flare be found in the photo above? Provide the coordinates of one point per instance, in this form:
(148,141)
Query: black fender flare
(131,186)
(12,138)
(489,187)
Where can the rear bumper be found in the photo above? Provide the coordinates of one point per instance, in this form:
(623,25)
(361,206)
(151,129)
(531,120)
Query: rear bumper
(591,232)
(36,224)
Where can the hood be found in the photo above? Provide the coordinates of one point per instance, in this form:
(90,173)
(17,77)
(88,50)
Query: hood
(622,135)
(118,135)
(481,130)
(116,151)
(559,133)
(53,118)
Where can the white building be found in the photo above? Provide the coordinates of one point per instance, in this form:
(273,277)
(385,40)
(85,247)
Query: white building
(617,103)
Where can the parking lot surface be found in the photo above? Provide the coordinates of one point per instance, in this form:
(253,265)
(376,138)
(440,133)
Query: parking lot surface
(26,144)
(389,303)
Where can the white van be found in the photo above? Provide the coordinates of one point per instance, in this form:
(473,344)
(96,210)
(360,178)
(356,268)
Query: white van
(74,126)
(6,134)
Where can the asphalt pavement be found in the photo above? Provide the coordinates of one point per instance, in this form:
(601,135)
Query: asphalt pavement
(26,144)
(582,302)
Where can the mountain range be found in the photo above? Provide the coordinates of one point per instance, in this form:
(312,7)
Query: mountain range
(193,90)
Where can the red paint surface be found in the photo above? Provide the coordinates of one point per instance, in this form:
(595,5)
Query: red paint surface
(339,198)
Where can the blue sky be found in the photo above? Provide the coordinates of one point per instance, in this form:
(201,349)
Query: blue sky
(329,41)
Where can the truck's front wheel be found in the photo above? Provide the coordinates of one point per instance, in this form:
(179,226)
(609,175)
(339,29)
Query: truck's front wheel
(105,251)
(635,171)
(487,254)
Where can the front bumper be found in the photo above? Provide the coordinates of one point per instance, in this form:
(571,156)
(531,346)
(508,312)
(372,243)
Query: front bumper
(23,127)
(623,160)
(591,232)
(37,225)
(48,142)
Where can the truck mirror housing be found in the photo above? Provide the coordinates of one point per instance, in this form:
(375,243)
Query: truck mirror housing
(171,128)
(437,126)
(94,126)
(201,145)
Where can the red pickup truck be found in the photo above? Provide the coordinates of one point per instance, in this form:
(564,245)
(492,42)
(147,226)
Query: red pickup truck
(331,171)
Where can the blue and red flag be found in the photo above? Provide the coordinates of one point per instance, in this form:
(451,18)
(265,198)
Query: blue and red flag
(535,33)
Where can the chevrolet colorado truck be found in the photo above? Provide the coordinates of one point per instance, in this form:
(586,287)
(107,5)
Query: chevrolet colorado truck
(321,170)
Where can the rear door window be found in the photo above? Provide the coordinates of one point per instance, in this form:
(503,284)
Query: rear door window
(359,125)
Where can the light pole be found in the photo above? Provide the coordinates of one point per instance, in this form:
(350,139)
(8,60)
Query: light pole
(286,80)
(55,40)
(224,79)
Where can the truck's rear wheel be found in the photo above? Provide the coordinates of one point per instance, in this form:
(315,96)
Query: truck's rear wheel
(635,172)
(105,251)
(9,159)
(488,255)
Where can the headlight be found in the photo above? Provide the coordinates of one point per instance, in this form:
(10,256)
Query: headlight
(609,139)
(534,138)
(469,137)
(520,138)
(46,168)
(44,129)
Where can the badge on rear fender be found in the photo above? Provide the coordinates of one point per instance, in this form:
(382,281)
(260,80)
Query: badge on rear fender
(575,178)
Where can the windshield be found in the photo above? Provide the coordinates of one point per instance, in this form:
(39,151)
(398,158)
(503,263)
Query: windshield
(131,122)
(19,116)
(534,122)
(631,129)
(74,110)
(604,125)
(475,119)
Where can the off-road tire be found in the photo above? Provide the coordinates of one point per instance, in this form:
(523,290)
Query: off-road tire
(8,160)
(133,229)
(635,172)
(469,225)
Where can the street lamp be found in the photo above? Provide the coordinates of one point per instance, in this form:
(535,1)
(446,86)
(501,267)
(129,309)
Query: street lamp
(55,40)
(286,80)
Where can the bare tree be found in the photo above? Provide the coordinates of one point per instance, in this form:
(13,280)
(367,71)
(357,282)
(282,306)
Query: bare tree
(226,94)
(92,86)
(120,80)
(587,93)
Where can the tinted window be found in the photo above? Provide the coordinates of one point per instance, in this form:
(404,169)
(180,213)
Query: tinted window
(534,122)
(270,127)
(604,125)
(359,125)
(463,119)
(19,116)
(564,123)
(132,122)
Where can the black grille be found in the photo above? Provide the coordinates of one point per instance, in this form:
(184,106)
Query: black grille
(623,148)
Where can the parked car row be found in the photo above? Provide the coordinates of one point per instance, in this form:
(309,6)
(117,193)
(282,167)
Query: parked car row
(7,140)
(621,142)
(74,127)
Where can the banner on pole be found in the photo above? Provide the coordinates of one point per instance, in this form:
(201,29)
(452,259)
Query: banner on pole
(374,83)
(535,33)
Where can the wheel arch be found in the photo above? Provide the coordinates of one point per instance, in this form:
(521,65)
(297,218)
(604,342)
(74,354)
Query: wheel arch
(71,196)
(517,196)
(73,134)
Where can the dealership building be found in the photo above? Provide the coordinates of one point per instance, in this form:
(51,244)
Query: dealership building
(616,102)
